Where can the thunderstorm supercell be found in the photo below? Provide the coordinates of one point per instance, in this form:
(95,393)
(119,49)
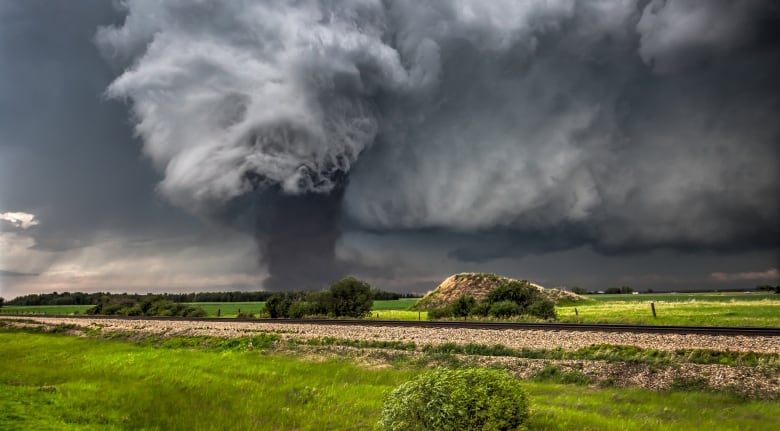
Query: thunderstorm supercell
(356,136)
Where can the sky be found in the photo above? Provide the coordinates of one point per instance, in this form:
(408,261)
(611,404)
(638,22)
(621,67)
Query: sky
(181,146)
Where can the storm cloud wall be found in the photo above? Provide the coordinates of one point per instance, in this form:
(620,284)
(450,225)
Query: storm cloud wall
(624,125)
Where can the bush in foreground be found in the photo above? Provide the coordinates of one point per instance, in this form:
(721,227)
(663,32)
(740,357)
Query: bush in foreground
(464,399)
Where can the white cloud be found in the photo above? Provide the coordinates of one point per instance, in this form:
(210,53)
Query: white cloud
(19,219)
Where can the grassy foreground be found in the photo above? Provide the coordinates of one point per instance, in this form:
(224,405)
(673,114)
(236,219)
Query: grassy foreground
(53,382)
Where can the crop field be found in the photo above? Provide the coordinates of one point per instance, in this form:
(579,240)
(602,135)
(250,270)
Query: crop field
(62,382)
(698,309)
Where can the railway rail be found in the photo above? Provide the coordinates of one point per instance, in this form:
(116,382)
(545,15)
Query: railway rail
(460,324)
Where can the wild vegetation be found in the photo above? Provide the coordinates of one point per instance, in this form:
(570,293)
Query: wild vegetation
(452,400)
(513,298)
(348,297)
(149,306)
(123,382)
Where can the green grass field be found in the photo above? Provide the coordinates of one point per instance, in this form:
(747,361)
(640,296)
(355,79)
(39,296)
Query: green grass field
(230,309)
(60,382)
(227,309)
(44,309)
(698,309)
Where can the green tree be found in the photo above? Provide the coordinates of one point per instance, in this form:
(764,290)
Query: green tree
(504,309)
(2,301)
(277,306)
(348,297)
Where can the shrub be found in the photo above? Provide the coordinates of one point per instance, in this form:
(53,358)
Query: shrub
(245,315)
(195,312)
(480,309)
(465,399)
(277,306)
(543,308)
(503,309)
(300,309)
(520,292)
(463,306)
(438,313)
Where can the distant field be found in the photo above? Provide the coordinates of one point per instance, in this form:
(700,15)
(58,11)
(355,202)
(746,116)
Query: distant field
(59,382)
(44,309)
(697,309)
(395,304)
(389,309)
(229,309)
(685,297)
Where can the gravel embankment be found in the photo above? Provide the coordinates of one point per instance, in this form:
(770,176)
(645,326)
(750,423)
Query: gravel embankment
(534,339)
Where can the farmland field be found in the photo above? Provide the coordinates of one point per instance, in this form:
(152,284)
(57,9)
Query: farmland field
(52,381)
(229,309)
(44,309)
(398,308)
(699,309)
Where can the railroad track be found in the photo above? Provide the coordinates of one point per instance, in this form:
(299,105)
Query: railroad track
(702,330)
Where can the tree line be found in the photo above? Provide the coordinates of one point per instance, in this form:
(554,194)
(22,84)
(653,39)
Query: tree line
(82,298)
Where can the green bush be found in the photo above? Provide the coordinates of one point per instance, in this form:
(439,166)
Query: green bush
(450,400)
(519,291)
(245,315)
(439,313)
(462,307)
(504,309)
(277,305)
(543,308)
(300,309)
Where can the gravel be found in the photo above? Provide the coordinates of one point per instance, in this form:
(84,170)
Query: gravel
(515,338)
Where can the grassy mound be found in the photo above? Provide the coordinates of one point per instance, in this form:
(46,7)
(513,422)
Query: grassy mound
(478,285)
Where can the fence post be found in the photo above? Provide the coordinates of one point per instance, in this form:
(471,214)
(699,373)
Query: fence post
(576,313)
(652,307)
(418,315)
(219,312)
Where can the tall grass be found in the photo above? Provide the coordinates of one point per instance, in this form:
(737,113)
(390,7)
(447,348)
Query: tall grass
(58,382)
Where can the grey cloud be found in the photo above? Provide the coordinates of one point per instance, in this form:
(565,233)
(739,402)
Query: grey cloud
(677,33)
(516,127)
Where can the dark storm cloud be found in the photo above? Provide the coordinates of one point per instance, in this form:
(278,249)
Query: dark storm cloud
(516,127)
